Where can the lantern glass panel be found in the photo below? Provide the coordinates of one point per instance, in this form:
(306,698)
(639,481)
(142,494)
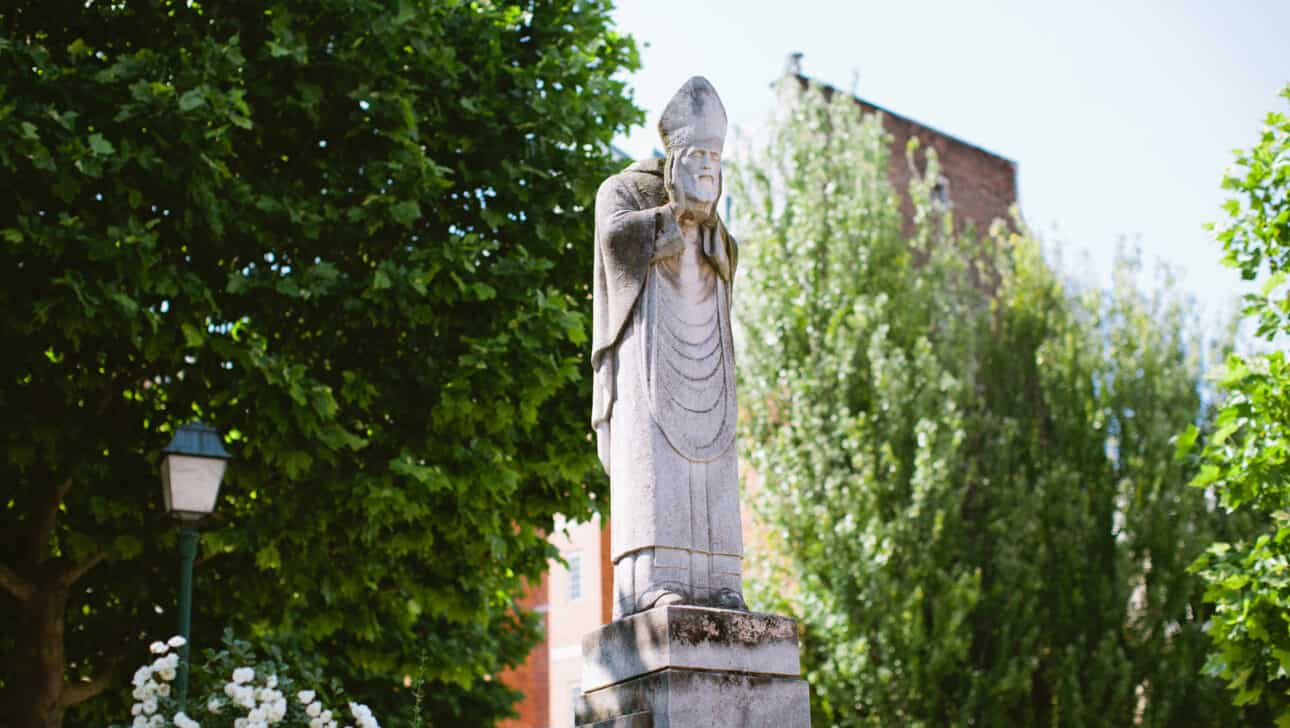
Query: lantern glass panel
(191,484)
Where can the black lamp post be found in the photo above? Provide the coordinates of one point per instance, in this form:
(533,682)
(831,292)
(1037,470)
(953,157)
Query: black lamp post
(191,472)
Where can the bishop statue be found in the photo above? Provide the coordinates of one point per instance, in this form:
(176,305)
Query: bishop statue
(664,405)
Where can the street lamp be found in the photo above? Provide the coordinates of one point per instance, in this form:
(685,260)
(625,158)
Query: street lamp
(191,471)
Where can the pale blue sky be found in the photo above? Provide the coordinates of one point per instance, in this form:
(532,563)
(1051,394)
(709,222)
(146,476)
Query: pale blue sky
(1121,115)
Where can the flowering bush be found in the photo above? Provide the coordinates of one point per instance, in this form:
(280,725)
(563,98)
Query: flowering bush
(256,694)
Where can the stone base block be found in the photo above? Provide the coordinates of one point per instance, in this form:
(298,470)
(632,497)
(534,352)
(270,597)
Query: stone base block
(695,638)
(678,698)
(635,720)
(693,667)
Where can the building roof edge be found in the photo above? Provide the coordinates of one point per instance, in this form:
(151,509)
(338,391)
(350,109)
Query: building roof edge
(831,89)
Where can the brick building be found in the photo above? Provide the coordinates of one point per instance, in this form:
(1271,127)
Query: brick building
(574,598)
(978,185)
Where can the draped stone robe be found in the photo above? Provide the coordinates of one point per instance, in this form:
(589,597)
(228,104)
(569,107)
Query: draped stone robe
(664,406)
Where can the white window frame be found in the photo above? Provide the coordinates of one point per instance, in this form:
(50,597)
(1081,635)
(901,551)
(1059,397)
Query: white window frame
(573,561)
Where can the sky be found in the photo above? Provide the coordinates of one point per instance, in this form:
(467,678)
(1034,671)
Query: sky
(1121,116)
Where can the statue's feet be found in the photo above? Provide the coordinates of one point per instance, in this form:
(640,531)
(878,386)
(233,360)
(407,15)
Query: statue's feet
(730,599)
(667,599)
(660,598)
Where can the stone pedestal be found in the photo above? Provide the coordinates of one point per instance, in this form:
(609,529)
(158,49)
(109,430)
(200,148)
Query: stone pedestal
(693,667)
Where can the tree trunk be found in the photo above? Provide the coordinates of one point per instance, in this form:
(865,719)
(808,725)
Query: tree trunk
(36,691)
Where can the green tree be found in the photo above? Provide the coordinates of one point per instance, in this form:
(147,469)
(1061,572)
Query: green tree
(1246,459)
(351,235)
(964,461)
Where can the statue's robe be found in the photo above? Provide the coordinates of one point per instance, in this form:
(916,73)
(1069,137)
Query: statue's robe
(664,407)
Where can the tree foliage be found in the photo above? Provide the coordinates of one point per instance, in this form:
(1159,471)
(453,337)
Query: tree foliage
(1246,459)
(351,235)
(965,461)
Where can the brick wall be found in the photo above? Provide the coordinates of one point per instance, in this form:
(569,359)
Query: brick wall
(534,676)
(606,578)
(554,667)
(982,185)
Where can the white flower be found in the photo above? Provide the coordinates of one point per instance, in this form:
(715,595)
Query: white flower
(243,674)
(149,706)
(326,716)
(177,641)
(275,712)
(136,709)
(214,704)
(240,723)
(141,676)
(167,674)
(244,697)
(305,696)
(314,709)
(363,715)
(271,682)
(256,715)
(158,648)
(139,722)
(316,723)
(183,721)
(163,690)
(230,689)
(157,721)
(171,660)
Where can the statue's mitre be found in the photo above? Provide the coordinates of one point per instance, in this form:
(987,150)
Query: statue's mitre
(694,115)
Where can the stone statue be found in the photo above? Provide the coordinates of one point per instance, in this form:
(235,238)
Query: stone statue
(664,406)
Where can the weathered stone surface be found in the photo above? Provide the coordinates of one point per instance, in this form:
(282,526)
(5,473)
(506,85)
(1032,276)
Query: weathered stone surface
(635,720)
(677,698)
(690,637)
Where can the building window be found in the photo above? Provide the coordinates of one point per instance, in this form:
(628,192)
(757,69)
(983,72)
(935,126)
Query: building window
(941,192)
(575,574)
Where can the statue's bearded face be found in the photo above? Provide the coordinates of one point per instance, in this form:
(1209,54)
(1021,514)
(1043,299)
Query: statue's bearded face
(698,176)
